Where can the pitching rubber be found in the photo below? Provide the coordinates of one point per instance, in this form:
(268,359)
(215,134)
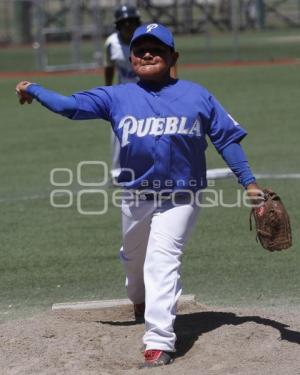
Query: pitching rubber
(102,304)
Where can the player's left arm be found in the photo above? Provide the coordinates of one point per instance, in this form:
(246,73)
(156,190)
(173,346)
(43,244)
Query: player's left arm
(236,159)
(226,135)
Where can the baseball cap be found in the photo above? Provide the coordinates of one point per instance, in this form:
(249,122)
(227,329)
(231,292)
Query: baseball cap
(155,30)
(126,11)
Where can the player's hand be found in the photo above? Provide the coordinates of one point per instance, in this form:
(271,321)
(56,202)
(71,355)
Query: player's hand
(23,96)
(255,194)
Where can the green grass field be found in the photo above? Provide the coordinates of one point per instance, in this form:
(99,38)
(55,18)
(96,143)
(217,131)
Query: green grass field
(52,255)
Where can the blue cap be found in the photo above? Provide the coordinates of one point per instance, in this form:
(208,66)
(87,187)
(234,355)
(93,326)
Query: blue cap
(155,30)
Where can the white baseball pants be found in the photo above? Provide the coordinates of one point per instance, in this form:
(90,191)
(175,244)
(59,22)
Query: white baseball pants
(154,235)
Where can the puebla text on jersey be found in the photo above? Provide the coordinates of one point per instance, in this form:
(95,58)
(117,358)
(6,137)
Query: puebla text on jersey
(162,132)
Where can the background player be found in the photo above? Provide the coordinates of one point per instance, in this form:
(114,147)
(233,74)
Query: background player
(162,124)
(116,60)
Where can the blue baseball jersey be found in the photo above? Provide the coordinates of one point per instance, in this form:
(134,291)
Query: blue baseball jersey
(162,132)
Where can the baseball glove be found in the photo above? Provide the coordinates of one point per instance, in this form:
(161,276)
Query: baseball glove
(273,228)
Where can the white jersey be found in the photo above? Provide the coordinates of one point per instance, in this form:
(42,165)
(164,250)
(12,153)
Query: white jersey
(117,54)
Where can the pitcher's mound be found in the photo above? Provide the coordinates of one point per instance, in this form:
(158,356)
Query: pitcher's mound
(223,341)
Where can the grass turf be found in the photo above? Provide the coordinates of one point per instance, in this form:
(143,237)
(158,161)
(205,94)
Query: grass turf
(52,255)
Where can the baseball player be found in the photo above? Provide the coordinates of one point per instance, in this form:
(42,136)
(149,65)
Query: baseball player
(162,124)
(116,58)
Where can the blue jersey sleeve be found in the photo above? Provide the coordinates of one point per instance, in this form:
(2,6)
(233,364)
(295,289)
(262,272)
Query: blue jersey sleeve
(63,105)
(85,105)
(236,159)
(223,128)
(94,103)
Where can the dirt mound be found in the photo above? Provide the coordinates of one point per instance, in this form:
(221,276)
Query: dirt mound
(210,341)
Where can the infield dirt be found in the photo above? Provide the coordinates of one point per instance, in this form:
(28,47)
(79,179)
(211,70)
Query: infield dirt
(210,341)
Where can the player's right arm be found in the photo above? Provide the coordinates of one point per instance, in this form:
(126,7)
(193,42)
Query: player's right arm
(90,104)
(55,102)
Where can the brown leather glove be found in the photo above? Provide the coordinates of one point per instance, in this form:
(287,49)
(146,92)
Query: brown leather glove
(273,228)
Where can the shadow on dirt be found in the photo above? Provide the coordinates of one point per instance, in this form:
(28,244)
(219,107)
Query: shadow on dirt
(189,327)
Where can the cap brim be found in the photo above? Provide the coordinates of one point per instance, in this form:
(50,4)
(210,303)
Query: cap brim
(149,36)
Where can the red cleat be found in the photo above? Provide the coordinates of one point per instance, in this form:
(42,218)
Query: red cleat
(154,357)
